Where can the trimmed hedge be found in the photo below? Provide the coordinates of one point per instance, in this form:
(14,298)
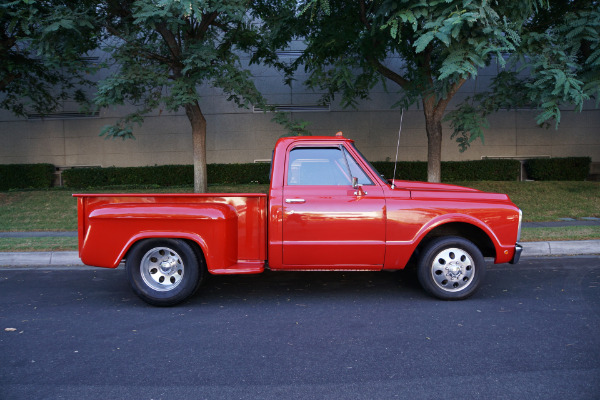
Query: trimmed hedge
(238,173)
(558,169)
(233,174)
(26,176)
(405,170)
(164,175)
(481,170)
(452,171)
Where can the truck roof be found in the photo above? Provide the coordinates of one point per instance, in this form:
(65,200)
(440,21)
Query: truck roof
(296,139)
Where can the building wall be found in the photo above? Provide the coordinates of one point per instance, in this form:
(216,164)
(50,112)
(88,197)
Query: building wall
(240,135)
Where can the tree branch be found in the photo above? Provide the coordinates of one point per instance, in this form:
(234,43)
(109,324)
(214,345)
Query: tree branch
(388,73)
(363,14)
(427,65)
(170,39)
(7,42)
(443,103)
(207,21)
(7,80)
(382,69)
(146,54)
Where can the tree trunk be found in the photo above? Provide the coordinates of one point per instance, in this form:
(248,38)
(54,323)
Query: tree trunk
(433,126)
(434,150)
(198,122)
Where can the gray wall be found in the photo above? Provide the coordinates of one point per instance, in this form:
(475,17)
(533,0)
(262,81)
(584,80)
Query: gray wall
(241,135)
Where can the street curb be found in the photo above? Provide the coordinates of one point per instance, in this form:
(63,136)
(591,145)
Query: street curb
(40,258)
(71,258)
(561,248)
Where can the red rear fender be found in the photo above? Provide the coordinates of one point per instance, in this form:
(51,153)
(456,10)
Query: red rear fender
(113,228)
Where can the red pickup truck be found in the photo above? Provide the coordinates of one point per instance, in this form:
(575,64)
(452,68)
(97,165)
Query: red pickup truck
(327,209)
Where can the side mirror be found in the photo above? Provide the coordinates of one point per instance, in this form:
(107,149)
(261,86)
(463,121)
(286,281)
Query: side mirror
(358,187)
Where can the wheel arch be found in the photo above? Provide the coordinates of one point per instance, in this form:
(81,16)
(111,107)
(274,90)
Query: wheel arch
(194,241)
(465,230)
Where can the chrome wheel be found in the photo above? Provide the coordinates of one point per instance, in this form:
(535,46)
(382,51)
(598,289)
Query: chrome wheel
(453,269)
(162,269)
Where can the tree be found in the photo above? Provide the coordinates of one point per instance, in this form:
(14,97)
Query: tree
(163,51)
(41,44)
(441,44)
(560,48)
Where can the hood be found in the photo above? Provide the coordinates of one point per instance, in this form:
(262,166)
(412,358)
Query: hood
(410,185)
(443,191)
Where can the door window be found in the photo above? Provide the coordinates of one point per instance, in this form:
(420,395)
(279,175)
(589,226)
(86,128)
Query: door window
(317,166)
(323,166)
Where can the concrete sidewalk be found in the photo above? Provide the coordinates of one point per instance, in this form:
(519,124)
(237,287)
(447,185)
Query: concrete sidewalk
(40,259)
(71,258)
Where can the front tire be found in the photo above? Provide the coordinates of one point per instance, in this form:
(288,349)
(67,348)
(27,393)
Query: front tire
(164,272)
(451,268)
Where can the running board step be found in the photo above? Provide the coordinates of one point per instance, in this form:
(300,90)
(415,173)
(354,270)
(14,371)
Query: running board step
(246,267)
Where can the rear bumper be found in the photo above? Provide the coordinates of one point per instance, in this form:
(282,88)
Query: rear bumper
(518,251)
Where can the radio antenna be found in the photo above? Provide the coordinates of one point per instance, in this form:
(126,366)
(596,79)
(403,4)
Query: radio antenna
(397,147)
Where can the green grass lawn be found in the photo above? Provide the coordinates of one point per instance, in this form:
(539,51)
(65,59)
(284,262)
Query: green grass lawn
(38,244)
(564,233)
(56,210)
(548,201)
(52,210)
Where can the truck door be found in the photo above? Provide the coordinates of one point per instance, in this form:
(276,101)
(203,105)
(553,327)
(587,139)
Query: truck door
(328,223)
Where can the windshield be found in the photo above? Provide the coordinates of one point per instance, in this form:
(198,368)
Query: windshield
(369,164)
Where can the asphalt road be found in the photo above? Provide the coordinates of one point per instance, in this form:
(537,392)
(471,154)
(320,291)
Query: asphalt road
(532,331)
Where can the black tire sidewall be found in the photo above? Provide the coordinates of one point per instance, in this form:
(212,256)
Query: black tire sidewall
(433,248)
(191,277)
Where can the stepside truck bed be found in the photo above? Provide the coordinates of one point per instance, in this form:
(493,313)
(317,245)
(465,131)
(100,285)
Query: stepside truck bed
(233,227)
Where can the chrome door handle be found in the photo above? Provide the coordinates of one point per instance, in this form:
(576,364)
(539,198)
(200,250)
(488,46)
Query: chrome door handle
(295,201)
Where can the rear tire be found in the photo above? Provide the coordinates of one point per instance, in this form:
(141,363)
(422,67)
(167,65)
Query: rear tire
(451,268)
(164,272)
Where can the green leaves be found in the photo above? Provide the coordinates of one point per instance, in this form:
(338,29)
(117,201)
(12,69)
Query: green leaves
(165,52)
(423,41)
(123,130)
(553,47)
(554,66)
(561,62)
(315,6)
(41,45)
(468,125)
(293,128)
